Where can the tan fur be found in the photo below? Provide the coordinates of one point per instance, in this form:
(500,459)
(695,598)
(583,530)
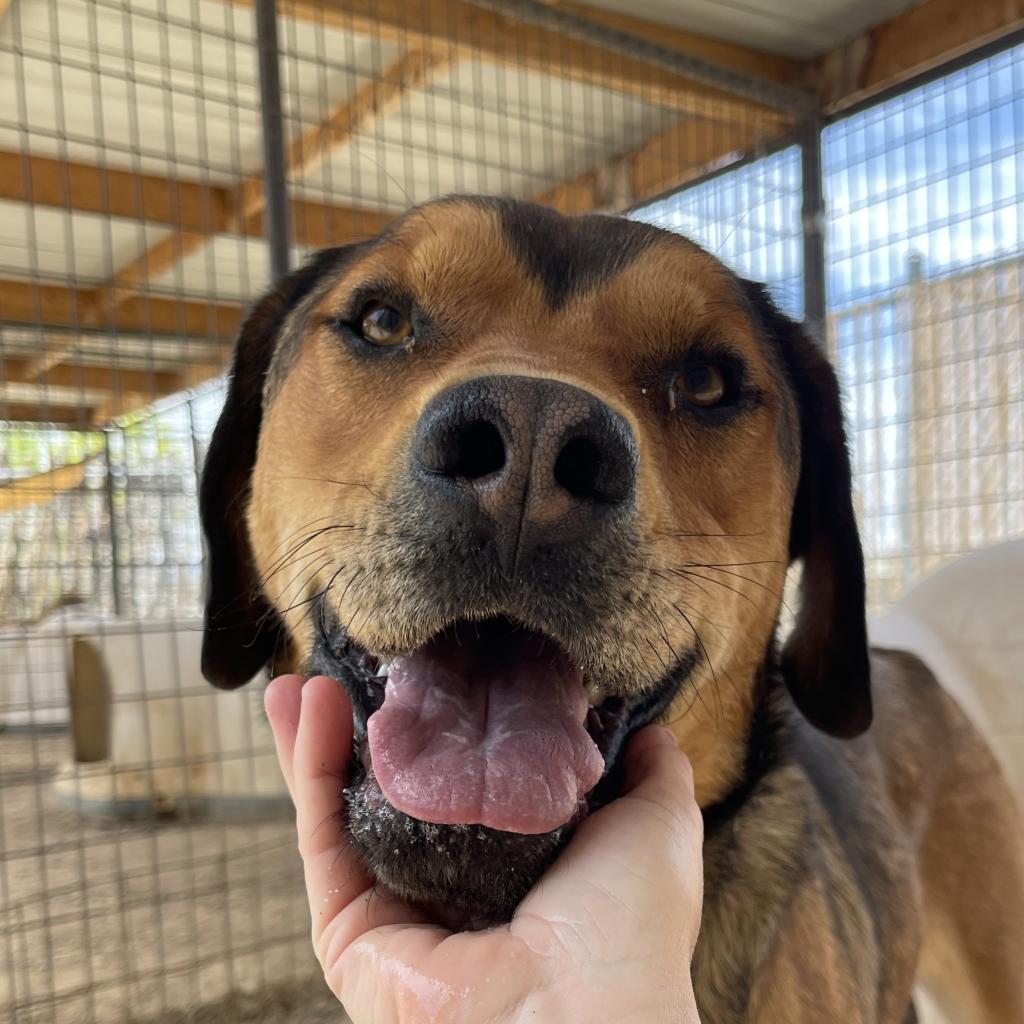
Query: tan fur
(332,443)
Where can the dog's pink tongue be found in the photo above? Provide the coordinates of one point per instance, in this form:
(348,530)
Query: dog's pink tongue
(468,735)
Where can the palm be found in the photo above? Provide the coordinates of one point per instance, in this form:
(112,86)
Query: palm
(386,961)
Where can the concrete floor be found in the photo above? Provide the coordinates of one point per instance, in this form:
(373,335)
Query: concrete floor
(168,921)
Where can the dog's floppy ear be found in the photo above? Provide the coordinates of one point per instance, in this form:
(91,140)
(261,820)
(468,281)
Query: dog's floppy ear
(825,659)
(241,632)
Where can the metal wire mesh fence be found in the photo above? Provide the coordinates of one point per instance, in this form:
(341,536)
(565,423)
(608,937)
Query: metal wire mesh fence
(925,275)
(147,869)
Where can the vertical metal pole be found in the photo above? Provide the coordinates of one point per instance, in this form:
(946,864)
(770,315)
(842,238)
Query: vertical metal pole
(115,555)
(813,216)
(273,138)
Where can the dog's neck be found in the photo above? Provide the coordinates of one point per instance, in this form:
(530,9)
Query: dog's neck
(714,724)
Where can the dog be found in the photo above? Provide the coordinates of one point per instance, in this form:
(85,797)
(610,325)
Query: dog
(525,483)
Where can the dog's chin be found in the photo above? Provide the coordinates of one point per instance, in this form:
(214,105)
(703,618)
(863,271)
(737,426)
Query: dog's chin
(469,874)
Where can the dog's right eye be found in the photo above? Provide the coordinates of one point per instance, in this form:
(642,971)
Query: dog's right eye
(384,326)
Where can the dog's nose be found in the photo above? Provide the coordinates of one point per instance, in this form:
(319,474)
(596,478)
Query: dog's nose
(543,461)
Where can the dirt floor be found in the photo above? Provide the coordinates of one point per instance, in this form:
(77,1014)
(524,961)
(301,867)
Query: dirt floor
(169,921)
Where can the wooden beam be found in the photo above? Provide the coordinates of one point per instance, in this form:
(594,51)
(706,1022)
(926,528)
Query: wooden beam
(316,225)
(688,151)
(915,41)
(194,210)
(112,379)
(477,33)
(54,306)
(177,203)
(41,412)
(41,488)
(44,181)
(411,71)
(672,158)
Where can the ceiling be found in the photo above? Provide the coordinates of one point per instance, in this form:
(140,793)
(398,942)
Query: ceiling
(167,91)
(793,28)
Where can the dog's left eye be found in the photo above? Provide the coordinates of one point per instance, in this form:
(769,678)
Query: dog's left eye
(702,384)
(384,325)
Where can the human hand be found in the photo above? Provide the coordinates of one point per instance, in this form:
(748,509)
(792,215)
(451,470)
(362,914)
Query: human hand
(606,934)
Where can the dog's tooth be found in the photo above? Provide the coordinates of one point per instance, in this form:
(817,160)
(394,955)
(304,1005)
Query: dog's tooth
(383,668)
(595,694)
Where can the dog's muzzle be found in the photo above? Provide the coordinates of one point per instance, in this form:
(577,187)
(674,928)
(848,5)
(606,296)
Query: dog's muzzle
(493,735)
(525,463)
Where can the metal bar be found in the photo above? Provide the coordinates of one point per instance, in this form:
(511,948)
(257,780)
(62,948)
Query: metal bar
(739,83)
(274,182)
(115,558)
(813,218)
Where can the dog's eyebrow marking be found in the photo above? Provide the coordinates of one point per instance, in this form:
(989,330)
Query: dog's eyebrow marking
(570,256)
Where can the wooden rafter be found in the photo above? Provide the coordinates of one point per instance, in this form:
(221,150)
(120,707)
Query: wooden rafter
(248,202)
(196,212)
(665,161)
(110,379)
(42,412)
(413,70)
(921,38)
(104,392)
(64,184)
(55,306)
(474,32)
(178,203)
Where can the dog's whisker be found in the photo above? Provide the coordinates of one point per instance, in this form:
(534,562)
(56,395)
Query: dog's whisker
(297,560)
(718,627)
(731,565)
(330,480)
(307,601)
(706,655)
(273,611)
(683,535)
(741,576)
(690,575)
(305,576)
(308,539)
(292,533)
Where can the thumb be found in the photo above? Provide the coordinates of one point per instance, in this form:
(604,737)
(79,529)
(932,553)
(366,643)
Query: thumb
(635,865)
(655,765)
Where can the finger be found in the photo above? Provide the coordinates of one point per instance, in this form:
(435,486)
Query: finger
(282,700)
(635,861)
(344,903)
(323,749)
(652,759)
(659,788)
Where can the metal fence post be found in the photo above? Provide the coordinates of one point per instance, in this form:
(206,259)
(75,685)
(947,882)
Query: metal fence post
(115,542)
(813,217)
(273,139)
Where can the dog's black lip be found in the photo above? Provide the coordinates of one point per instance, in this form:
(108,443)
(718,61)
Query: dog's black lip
(334,654)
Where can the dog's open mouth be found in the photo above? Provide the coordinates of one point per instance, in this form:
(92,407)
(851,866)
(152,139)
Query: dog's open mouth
(488,723)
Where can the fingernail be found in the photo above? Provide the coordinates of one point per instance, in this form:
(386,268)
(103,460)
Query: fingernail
(665,735)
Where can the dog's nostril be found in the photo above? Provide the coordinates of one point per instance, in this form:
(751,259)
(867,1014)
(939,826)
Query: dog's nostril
(594,470)
(476,450)
(578,469)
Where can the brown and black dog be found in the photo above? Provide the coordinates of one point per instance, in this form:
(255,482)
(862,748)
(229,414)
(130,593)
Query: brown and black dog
(524,483)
